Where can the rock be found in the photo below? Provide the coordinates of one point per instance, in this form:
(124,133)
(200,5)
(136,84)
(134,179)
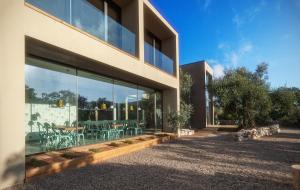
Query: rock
(186,132)
(256,132)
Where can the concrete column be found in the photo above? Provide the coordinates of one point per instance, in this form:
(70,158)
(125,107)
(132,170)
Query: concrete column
(141,29)
(12,93)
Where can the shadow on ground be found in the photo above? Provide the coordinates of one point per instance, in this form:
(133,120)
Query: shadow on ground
(189,163)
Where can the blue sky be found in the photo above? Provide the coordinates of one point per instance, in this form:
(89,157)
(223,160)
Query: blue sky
(233,33)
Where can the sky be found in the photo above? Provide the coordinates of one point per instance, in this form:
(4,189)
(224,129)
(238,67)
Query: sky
(239,33)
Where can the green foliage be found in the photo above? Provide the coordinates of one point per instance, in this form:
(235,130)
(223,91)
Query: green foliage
(186,84)
(96,150)
(173,119)
(71,155)
(34,117)
(285,109)
(243,95)
(128,142)
(181,119)
(186,111)
(114,144)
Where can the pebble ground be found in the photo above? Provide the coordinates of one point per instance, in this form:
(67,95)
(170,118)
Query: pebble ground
(197,162)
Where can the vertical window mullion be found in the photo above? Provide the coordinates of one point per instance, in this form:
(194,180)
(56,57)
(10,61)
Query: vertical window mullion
(70,4)
(105,21)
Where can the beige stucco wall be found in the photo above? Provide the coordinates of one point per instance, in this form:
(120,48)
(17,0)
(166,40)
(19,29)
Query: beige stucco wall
(18,20)
(12,58)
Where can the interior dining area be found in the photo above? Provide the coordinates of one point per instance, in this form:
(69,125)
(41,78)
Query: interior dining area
(68,107)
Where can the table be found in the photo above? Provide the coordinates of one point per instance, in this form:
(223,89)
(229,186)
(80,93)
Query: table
(69,129)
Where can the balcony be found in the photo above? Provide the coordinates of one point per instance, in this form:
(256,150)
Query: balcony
(159,42)
(89,18)
(158,59)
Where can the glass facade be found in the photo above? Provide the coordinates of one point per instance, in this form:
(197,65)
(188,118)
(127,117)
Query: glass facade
(91,17)
(208,100)
(67,107)
(156,58)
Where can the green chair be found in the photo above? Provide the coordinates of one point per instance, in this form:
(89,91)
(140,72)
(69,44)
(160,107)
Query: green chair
(90,130)
(80,133)
(100,130)
(121,130)
(62,139)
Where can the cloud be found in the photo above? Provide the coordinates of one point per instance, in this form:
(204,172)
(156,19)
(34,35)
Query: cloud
(237,20)
(222,45)
(246,48)
(234,56)
(218,71)
(248,15)
(206,4)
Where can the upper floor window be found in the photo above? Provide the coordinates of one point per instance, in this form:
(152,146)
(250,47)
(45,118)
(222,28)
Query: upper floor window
(100,18)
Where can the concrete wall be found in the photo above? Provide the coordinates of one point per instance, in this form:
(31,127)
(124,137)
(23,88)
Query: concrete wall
(12,101)
(19,20)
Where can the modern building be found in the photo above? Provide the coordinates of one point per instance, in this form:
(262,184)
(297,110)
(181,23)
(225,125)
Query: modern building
(74,72)
(201,99)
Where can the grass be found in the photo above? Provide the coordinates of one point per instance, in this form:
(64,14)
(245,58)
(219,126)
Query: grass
(33,162)
(114,144)
(71,155)
(96,150)
(162,135)
(128,142)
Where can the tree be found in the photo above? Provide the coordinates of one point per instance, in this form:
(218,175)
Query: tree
(186,108)
(181,119)
(185,84)
(285,107)
(243,95)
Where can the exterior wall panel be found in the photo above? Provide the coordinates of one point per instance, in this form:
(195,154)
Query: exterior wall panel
(19,20)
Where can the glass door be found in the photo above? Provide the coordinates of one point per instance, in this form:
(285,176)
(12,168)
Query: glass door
(146,111)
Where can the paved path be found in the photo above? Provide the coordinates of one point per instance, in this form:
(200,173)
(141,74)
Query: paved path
(214,162)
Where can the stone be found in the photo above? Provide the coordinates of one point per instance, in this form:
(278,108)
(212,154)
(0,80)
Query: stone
(256,133)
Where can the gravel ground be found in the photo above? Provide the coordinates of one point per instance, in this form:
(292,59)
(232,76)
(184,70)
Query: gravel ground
(214,162)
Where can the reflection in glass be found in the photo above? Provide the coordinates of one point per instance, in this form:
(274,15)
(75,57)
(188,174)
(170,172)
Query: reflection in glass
(158,59)
(146,107)
(90,16)
(125,97)
(66,107)
(159,114)
(58,8)
(208,100)
(50,101)
(95,97)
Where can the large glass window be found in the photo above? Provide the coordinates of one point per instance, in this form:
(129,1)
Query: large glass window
(95,97)
(50,103)
(67,107)
(146,107)
(58,8)
(158,112)
(208,100)
(100,18)
(125,97)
